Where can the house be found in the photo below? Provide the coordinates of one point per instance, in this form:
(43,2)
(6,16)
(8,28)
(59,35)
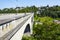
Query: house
(57,21)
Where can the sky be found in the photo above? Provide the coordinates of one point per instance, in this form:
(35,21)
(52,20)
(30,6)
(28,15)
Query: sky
(24,3)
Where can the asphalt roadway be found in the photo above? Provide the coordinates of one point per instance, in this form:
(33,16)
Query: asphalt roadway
(10,17)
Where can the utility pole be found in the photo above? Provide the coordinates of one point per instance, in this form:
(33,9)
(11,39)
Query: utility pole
(16,6)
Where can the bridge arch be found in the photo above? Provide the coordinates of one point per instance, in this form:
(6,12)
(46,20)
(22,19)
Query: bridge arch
(27,29)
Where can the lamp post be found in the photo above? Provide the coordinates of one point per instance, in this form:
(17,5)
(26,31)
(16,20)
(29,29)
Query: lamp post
(17,7)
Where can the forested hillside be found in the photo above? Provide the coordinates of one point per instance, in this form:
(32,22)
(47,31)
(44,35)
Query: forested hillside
(51,11)
(19,10)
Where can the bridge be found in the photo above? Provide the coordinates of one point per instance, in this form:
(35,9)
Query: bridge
(14,26)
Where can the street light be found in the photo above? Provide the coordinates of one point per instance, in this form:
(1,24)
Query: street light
(16,7)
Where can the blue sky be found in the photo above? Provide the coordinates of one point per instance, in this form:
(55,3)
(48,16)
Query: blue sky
(24,3)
